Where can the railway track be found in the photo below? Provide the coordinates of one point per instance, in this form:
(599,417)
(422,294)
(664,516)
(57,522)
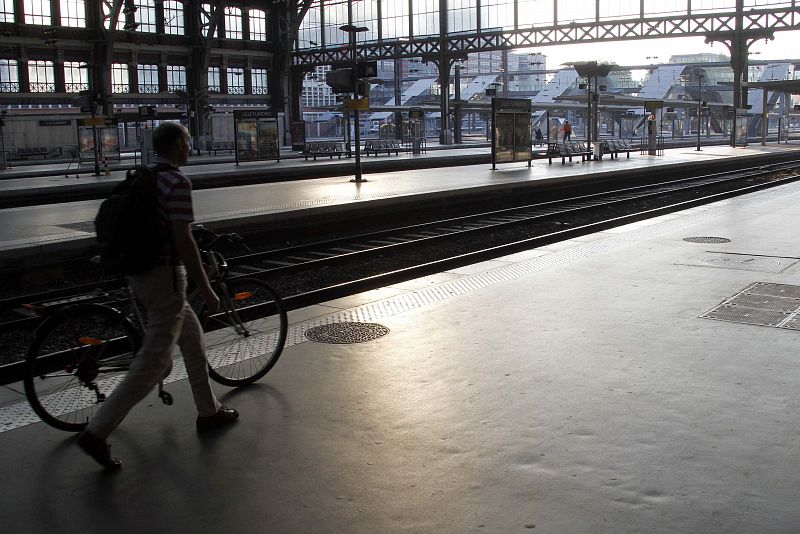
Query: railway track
(316,272)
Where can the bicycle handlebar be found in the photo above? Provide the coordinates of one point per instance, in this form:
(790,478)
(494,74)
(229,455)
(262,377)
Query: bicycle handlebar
(208,239)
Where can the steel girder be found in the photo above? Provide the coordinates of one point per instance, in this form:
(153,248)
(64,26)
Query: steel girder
(778,19)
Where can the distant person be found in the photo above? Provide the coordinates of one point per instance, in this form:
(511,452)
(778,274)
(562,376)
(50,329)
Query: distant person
(567,131)
(161,290)
(538,136)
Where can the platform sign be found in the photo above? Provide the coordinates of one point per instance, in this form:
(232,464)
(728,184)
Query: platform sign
(652,105)
(511,135)
(256,134)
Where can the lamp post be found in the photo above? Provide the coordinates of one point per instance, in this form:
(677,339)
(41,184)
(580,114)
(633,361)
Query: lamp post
(699,105)
(457,104)
(353,32)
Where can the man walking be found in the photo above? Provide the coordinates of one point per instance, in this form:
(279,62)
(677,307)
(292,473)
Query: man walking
(162,292)
(567,131)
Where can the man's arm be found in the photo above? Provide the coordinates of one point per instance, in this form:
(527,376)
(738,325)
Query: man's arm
(187,250)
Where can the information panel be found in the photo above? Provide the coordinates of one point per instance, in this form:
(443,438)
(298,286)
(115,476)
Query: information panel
(256,136)
(511,135)
(107,135)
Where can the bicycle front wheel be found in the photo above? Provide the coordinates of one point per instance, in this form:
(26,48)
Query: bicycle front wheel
(245,339)
(78,357)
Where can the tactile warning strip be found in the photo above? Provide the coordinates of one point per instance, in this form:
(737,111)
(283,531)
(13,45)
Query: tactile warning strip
(761,304)
(20,414)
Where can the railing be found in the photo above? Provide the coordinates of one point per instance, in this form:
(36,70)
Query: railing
(42,87)
(173,88)
(76,87)
(9,87)
(148,88)
(260,90)
(120,88)
(236,90)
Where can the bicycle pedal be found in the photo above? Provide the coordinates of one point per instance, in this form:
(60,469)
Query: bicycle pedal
(166,397)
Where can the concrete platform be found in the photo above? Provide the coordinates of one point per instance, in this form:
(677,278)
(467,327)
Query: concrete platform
(28,234)
(574,388)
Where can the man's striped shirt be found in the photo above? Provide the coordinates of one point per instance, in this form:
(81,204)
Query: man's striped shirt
(174,198)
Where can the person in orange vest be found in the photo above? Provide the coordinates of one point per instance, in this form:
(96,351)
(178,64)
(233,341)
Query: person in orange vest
(567,131)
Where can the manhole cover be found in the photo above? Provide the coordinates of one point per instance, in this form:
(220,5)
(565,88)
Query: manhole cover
(347,332)
(707,239)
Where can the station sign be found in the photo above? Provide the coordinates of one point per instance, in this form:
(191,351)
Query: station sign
(416,113)
(56,122)
(511,105)
(97,121)
(652,105)
(358,104)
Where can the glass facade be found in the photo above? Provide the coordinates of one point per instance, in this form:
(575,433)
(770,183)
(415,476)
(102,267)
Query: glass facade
(6,10)
(258,25)
(233,23)
(76,77)
(259,81)
(176,78)
(148,78)
(173,17)
(213,79)
(37,12)
(9,76)
(120,79)
(235,80)
(73,13)
(145,16)
(41,76)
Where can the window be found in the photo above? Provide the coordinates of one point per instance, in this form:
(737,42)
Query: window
(173,17)
(213,79)
(310,34)
(426,17)
(73,13)
(259,81)
(42,76)
(336,16)
(106,6)
(176,78)
(120,80)
(76,77)
(6,10)
(37,12)
(235,81)
(258,25)
(233,23)
(145,15)
(148,78)
(205,20)
(395,19)
(9,80)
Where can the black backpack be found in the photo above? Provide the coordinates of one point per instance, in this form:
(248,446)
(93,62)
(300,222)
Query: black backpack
(130,230)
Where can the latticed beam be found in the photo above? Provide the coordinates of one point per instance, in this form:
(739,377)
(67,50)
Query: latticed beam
(777,19)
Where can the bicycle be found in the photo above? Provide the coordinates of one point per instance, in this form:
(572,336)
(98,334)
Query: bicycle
(85,344)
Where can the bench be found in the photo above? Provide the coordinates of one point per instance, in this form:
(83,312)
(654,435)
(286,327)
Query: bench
(29,152)
(323,148)
(614,147)
(217,146)
(567,149)
(380,146)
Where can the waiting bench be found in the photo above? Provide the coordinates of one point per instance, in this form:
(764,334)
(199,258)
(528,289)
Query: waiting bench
(226,145)
(614,147)
(29,152)
(567,149)
(323,148)
(381,146)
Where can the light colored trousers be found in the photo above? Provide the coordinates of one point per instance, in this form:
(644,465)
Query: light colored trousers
(170,320)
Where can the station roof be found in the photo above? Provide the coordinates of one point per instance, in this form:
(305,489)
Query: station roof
(784,86)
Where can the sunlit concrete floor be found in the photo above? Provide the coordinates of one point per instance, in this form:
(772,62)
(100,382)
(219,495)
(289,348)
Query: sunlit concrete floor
(569,389)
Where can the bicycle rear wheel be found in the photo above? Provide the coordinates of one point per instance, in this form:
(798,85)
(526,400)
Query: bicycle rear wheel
(77,358)
(245,339)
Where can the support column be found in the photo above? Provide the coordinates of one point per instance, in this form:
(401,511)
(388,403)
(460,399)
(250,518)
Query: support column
(398,90)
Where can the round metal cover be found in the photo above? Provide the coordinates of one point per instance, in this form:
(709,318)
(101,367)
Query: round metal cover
(347,332)
(707,239)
